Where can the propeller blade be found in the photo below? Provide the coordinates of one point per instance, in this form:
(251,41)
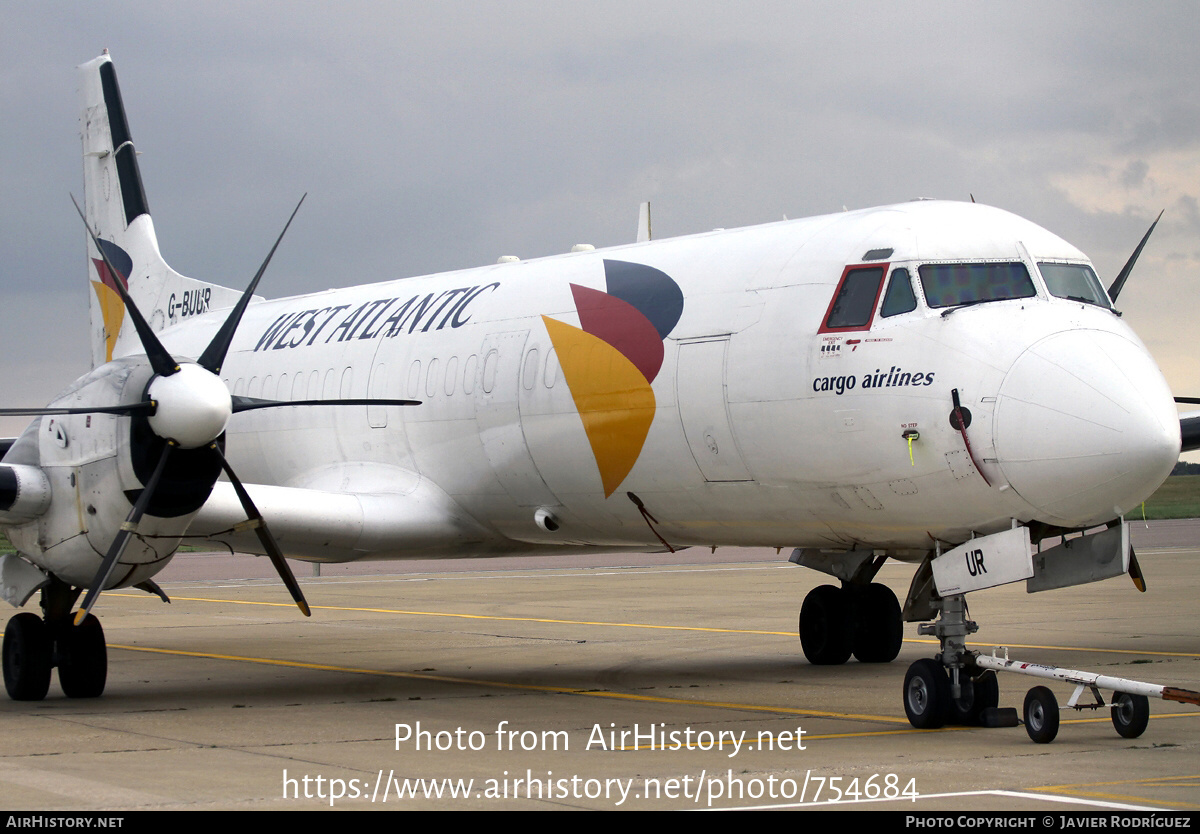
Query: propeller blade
(160,360)
(1188,400)
(1135,572)
(214,355)
(118,544)
(253,404)
(1118,284)
(264,535)
(148,405)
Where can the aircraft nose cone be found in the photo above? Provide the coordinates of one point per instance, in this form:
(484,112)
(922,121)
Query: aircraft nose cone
(1085,427)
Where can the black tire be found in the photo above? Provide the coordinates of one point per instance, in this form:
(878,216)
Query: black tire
(27,657)
(1041,715)
(978,693)
(82,659)
(1130,714)
(926,694)
(878,624)
(826,631)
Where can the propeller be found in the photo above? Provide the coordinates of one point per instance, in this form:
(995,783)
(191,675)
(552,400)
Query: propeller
(241,404)
(259,525)
(1119,283)
(133,408)
(187,406)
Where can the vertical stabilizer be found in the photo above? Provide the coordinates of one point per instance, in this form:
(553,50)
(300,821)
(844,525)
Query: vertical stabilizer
(116,209)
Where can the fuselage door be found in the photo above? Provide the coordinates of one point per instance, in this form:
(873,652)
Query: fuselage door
(701,394)
(498,417)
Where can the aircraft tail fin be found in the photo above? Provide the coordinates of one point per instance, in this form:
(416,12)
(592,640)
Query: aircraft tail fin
(115,207)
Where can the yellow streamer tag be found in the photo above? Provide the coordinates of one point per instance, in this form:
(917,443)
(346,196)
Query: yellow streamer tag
(910,457)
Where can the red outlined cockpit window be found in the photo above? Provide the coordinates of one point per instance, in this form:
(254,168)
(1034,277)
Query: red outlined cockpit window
(853,304)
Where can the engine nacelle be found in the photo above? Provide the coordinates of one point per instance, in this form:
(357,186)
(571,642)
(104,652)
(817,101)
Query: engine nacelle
(24,493)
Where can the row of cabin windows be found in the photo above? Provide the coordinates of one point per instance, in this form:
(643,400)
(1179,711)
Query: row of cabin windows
(438,379)
(953,284)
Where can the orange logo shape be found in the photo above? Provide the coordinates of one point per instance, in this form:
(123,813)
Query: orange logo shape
(112,308)
(610,361)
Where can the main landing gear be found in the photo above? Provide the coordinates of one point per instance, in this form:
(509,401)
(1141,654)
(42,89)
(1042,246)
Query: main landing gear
(859,619)
(34,645)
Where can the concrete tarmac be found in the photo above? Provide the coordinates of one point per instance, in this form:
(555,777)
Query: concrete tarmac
(582,683)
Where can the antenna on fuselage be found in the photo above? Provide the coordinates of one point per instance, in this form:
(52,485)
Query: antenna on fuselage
(643,229)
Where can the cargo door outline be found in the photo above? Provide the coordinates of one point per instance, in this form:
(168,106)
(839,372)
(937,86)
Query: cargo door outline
(704,412)
(498,416)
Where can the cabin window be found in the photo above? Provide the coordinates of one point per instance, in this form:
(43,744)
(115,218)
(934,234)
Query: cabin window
(899,297)
(431,378)
(470,367)
(1075,282)
(948,285)
(451,375)
(529,375)
(854,302)
(414,379)
(489,370)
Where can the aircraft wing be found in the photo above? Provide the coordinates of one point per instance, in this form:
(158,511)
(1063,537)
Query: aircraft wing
(338,526)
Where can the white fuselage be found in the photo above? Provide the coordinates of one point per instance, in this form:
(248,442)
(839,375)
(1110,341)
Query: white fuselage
(765,431)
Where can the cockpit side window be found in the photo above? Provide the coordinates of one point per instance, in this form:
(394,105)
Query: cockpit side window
(853,304)
(948,285)
(899,297)
(1075,282)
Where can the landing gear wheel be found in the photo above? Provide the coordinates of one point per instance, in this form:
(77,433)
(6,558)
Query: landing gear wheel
(82,659)
(926,694)
(1130,714)
(26,657)
(1041,715)
(825,626)
(878,627)
(978,693)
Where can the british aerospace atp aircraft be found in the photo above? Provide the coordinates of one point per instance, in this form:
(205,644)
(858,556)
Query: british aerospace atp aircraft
(940,383)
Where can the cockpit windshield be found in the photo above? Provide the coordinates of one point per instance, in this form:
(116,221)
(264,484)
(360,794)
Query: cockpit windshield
(948,285)
(1076,282)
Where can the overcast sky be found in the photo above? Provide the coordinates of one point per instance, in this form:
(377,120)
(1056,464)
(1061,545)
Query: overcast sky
(435,136)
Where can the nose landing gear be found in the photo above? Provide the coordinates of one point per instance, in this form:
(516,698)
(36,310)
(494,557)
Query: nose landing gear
(960,687)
